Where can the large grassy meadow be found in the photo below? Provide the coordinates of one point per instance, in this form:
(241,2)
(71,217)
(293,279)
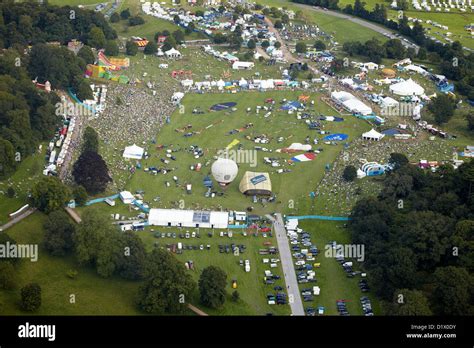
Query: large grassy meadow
(212,135)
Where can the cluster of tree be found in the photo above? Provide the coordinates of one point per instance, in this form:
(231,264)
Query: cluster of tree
(212,284)
(418,234)
(99,243)
(234,40)
(59,66)
(276,13)
(375,50)
(50,194)
(167,287)
(126,16)
(455,64)
(27,116)
(330,4)
(29,23)
(90,170)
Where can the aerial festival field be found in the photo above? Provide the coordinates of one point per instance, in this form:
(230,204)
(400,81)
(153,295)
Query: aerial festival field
(260,136)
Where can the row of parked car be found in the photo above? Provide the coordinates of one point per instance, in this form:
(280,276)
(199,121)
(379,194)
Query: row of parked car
(278,298)
(186,235)
(270,278)
(232,248)
(342,308)
(366,306)
(304,253)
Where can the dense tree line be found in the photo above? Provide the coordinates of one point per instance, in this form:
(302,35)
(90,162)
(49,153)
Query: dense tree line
(418,235)
(29,23)
(375,50)
(27,115)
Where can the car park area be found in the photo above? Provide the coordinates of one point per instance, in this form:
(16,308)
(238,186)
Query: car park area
(329,285)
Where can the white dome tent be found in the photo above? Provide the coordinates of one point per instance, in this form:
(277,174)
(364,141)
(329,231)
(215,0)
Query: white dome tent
(407,88)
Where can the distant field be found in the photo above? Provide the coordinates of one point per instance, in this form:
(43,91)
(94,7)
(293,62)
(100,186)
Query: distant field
(76,2)
(454,20)
(341,29)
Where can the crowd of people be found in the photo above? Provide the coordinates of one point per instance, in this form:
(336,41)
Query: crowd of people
(132,116)
(340,195)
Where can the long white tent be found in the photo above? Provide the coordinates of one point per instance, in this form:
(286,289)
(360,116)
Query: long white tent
(351,103)
(406,88)
(188,218)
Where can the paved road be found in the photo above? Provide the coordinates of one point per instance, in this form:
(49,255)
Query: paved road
(287,265)
(284,47)
(375,27)
(17,219)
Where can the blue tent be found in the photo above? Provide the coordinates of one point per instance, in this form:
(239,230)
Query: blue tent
(207,182)
(336,137)
(291,105)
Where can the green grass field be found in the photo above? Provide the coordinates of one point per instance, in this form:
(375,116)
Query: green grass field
(455,19)
(94,295)
(99,296)
(29,169)
(287,186)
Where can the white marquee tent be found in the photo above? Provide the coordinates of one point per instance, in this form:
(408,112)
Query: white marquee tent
(388,102)
(133,152)
(408,87)
(350,102)
(188,218)
(372,135)
(173,53)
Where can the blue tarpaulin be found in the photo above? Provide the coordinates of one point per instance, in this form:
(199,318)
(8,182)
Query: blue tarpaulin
(336,137)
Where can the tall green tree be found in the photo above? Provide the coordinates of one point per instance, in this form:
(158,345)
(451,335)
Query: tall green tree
(151,48)
(59,231)
(8,276)
(97,243)
(442,108)
(49,194)
(86,53)
(111,48)
(453,291)
(131,263)
(91,171)
(31,297)
(410,302)
(131,48)
(168,286)
(90,140)
(96,38)
(7,158)
(301,47)
(212,284)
